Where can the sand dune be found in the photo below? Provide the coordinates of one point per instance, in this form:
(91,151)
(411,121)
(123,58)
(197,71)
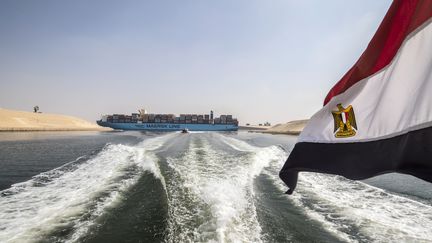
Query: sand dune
(11,120)
(292,127)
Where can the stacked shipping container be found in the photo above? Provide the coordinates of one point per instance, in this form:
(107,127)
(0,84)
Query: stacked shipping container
(170,118)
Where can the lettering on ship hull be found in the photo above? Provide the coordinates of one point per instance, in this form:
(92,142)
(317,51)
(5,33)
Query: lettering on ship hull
(158,126)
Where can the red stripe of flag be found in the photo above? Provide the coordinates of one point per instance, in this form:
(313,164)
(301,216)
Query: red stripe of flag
(403,17)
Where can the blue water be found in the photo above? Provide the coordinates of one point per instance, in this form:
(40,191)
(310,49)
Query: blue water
(197,187)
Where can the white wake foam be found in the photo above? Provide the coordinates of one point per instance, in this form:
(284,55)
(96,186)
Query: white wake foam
(219,185)
(372,212)
(73,195)
(211,196)
(357,212)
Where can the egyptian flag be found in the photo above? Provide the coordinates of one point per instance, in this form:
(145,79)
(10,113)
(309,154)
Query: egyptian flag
(378,117)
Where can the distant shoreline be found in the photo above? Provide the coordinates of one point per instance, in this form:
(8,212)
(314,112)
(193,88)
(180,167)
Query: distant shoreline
(23,121)
(295,133)
(290,128)
(53,130)
(253,128)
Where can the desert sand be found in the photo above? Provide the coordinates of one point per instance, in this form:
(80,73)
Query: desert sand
(11,120)
(291,128)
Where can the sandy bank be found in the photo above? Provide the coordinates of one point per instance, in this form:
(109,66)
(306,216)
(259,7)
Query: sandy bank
(290,128)
(253,127)
(11,120)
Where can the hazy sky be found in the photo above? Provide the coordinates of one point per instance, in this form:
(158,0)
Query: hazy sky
(259,60)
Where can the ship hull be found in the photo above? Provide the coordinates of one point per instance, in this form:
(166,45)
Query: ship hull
(168,126)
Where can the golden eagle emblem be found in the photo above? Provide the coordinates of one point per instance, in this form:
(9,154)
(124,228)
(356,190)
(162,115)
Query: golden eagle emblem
(344,122)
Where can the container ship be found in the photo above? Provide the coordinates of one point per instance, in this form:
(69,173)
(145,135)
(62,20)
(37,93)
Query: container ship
(169,122)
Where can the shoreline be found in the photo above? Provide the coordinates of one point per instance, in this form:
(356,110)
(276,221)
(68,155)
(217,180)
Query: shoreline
(24,121)
(54,130)
(253,128)
(291,133)
(293,128)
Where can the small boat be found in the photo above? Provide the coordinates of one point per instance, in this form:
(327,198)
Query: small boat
(185,130)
